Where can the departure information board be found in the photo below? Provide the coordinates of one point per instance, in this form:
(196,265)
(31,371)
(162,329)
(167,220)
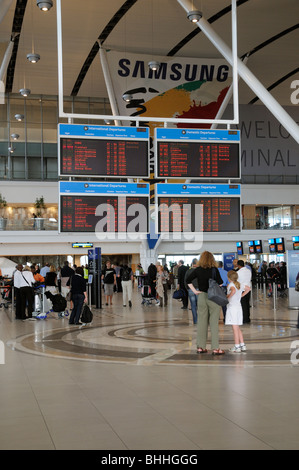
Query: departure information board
(195,208)
(197,153)
(103,151)
(104,207)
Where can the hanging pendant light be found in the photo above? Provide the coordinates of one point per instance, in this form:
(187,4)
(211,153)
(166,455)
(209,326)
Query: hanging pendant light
(194,16)
(44,5)
(154,65)
(127,97)
(25,91)
(33,57)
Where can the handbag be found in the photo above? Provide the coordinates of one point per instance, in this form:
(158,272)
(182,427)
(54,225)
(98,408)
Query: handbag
(178,294)
(216,293)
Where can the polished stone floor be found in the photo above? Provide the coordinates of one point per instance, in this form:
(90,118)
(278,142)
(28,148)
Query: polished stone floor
(132,380)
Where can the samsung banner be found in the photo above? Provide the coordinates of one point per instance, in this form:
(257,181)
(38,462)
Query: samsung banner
(180,88)
(293,276)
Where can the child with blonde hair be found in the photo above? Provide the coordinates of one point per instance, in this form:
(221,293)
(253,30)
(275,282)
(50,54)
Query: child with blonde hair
(234,312)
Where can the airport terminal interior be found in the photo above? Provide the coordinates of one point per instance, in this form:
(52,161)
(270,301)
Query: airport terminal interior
(137,137)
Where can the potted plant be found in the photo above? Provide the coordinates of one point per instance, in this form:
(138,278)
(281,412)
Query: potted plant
(3,220)
(39,206)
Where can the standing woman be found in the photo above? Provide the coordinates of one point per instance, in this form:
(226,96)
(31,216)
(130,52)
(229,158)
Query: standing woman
(159,284)
(208,311)
(51,285)
(78,295)
(51,280)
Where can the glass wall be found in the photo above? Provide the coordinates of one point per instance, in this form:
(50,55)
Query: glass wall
(282,217)
(28,133)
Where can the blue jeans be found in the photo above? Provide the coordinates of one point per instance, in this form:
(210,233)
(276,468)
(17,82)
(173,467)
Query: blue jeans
(78,301)
(193,302)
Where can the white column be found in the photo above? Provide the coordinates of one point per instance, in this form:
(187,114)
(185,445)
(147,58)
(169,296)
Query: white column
(109,85)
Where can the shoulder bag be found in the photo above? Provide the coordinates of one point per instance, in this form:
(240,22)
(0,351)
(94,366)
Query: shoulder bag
(215,292)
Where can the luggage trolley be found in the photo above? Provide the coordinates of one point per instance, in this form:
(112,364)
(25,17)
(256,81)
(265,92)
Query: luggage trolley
(39,302)
(146,293)
(6,294)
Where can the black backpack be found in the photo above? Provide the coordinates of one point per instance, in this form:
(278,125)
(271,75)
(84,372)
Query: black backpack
(87,315)
(126,275)
(59,303)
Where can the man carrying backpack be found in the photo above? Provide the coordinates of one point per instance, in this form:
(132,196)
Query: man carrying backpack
(126,275)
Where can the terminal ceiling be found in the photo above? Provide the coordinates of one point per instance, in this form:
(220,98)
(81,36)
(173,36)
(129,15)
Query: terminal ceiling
(267,32)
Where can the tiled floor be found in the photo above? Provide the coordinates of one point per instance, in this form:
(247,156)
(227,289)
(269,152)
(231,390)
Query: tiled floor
(132,380)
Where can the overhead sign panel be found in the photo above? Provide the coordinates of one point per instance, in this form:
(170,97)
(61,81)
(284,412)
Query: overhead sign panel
(104,207)
(197,153)
(196,207)
(103,151)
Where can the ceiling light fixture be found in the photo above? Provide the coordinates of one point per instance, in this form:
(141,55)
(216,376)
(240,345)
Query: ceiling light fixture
(25,91)
(194,16)
(14,136)
(127,97)
(19,117)
(44,5)
(154,65)
(33,57)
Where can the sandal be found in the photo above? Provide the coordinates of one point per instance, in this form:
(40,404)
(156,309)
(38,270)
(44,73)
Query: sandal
(201,351)
(218,352)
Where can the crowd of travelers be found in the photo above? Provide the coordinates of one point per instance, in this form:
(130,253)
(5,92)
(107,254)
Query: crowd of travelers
(64,280)
(192,282)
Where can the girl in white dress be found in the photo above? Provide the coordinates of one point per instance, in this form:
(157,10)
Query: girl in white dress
(234,312)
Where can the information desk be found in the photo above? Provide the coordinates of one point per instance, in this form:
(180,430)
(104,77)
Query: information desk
(197,153)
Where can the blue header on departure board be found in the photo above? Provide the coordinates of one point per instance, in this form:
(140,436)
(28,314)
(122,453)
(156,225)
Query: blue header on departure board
(92,188)
(112,132)
(194,189)
(228,135)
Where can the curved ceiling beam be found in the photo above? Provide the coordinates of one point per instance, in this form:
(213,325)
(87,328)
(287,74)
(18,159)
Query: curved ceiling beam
(16,31)
(270,40)
(266,43)
(102,38)
(275,84)
(196,31)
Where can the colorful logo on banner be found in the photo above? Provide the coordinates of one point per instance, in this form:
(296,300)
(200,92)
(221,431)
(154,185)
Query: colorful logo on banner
(180,88)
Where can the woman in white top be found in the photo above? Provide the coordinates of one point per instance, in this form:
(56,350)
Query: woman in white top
(24,281)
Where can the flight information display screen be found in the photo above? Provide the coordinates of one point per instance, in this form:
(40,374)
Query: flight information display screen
(100,151)
(198,160)
(105,213)
(193,214)
(197,154)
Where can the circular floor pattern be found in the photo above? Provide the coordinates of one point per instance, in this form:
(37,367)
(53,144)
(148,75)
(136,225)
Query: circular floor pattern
(161,342)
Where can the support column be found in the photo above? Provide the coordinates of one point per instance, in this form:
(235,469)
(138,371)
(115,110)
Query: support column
(109,86)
